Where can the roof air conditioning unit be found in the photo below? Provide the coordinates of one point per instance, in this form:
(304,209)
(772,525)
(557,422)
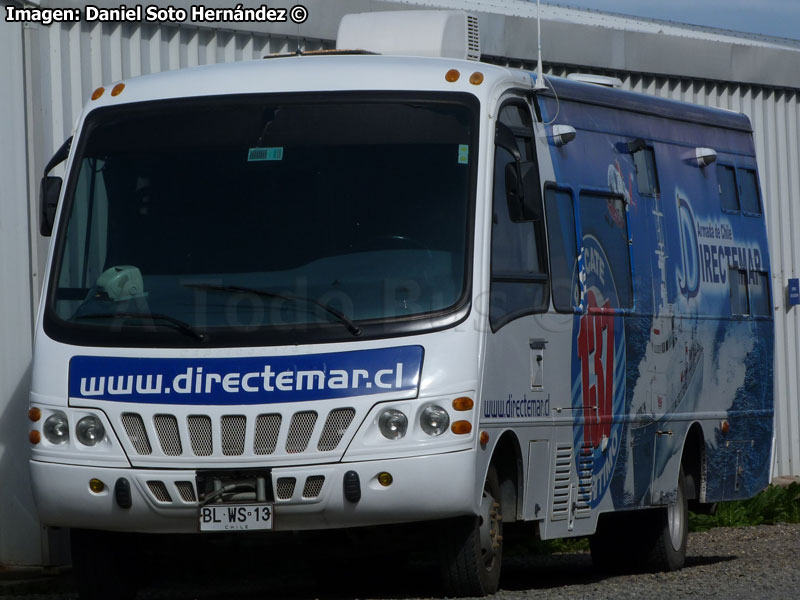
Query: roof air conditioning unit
(438,33)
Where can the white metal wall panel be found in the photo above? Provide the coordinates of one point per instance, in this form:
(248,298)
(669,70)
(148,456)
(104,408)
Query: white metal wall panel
(19,526)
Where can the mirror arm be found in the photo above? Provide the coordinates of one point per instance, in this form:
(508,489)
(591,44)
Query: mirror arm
(60,156)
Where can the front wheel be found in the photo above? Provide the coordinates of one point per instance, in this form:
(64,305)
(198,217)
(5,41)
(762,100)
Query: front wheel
(472,547)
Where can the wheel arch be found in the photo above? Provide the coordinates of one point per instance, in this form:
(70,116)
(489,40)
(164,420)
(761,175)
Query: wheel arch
(693,460)
(507,460)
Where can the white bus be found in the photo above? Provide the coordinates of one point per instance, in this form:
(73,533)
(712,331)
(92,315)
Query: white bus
(339,291)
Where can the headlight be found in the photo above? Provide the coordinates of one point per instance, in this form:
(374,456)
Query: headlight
(434,420)
(393,424)
(56,429)
(90,431)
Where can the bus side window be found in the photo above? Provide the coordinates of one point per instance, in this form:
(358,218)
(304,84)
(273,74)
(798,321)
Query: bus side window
(728,194)
(740,302)
(563,249)
(604,224)
(758,291)
(646,175)
(519,284)
(748,191)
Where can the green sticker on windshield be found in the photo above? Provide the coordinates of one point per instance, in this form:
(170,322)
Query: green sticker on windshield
(258,154)
(463,154)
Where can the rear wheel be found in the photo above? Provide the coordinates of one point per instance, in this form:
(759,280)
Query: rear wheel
(667,548)
(652,540)
(472,547)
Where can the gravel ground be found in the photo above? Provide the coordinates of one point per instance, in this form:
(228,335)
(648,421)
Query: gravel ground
(746,563)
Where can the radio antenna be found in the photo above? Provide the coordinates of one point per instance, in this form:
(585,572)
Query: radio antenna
(540,84)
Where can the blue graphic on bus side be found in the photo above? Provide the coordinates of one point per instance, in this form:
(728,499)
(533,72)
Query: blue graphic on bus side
(246,380)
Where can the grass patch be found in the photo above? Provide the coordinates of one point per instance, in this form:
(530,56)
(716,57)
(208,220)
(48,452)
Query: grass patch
(774,505)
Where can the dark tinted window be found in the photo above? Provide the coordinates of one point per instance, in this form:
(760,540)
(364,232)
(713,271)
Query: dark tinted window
(362,206)
(519,280)
(748,187)
(563,249)
(604,231)
(740,304)
(759,294)
(729,197)
(646,174)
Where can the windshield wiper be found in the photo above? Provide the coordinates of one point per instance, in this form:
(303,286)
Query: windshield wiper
(344,319)
(179,325)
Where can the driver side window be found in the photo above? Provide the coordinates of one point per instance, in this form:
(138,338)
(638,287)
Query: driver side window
(519,284)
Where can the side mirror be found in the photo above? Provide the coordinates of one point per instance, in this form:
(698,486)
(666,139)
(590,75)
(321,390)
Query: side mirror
(49,192)
(522,191)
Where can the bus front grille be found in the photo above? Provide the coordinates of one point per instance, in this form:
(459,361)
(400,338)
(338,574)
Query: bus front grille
(239,435)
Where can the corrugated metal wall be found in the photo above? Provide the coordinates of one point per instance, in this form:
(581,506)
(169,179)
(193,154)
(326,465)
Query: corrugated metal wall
(19,526)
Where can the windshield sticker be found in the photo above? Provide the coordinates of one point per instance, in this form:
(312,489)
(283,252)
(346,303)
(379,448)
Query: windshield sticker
(261,154)
(246,380)
(463,154)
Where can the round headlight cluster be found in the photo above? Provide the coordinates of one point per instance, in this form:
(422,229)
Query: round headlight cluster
(393,424)
(90,431)
(434,420)
(56,429)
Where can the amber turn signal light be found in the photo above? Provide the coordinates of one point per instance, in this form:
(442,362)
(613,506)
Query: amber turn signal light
(461,427)
(34,414)
(463,403)
(35,437)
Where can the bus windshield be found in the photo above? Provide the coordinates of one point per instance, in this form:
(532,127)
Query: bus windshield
(266,218)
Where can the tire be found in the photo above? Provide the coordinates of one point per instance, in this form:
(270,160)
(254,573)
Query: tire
(103,565)
(667,548)
(472,547)
(643,540)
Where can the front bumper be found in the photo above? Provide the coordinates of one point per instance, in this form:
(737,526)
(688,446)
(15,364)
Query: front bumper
(425,487)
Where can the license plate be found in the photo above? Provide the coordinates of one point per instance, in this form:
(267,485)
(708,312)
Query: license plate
(236,517)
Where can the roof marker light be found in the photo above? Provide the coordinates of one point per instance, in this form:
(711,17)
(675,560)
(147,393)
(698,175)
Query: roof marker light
(705,156)
(98,92)
(117,90)
(453,75)
(476,78)
(563,134)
